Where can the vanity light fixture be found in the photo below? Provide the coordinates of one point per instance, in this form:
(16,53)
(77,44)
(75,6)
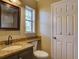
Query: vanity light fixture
(12,0)
(37,0)
(15,1)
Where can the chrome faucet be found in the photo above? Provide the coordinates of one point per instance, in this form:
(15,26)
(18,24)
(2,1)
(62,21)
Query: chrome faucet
(9,41)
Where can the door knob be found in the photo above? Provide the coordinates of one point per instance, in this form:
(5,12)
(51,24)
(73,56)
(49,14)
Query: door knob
(54,37)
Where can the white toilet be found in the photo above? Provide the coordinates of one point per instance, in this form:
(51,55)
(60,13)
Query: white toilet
(39,54)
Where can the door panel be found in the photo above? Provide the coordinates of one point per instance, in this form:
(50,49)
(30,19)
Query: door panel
(63,29)
(70,51)
(63,50)
(59,25)
(69,25)
(55,26)
(64,21)
(54,50)
(59,50)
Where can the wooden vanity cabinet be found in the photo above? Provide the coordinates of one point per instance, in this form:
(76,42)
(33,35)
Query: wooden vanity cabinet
(24,54)
(27,54)
(11,57)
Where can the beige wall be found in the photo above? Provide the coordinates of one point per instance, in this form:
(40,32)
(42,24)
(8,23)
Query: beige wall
(30,3)
(45,23)
(16,34)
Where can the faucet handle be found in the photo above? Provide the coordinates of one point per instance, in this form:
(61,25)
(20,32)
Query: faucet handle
(9,37)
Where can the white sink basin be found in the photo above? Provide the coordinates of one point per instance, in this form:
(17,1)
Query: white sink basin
(12,48)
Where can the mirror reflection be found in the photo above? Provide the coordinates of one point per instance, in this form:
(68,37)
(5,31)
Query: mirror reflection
(9,16)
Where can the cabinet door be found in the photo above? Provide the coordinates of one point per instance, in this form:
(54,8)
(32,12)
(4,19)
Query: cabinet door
(27,54)
(12,57)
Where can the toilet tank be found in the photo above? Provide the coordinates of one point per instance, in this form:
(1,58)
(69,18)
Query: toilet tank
(35,43)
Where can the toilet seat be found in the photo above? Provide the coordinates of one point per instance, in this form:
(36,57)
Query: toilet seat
(41,54)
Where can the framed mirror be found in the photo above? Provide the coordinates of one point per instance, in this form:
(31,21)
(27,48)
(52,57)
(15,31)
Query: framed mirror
(9,16)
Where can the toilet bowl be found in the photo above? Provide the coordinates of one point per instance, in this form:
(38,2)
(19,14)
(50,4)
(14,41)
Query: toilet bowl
(39,54)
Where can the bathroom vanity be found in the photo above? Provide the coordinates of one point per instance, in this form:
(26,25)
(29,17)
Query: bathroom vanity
(24,54)
(19,49)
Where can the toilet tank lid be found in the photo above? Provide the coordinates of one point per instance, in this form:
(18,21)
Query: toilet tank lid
(40,53)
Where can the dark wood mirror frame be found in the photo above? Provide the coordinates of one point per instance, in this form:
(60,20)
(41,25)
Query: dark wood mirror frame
(9,16)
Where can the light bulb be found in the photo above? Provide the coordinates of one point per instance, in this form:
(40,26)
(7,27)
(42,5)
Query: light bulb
(15,1)
(37,0)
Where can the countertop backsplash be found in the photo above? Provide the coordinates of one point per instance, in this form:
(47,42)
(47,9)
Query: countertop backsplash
(3,38)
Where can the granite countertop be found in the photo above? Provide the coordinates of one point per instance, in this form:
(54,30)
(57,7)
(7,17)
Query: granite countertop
(23,43)
(4,53)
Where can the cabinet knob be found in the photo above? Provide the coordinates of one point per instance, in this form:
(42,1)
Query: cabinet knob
(20,57)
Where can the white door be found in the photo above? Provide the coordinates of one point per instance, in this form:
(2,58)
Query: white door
(64,17)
